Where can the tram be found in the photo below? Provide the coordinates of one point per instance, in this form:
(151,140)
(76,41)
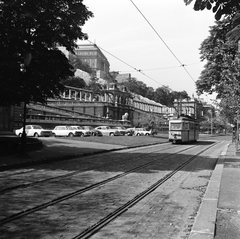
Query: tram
(183,129)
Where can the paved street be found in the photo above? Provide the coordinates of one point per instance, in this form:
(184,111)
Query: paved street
(62,199)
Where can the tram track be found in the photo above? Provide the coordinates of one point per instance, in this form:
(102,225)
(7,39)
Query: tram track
(87,233)
(38,182)
(104,182)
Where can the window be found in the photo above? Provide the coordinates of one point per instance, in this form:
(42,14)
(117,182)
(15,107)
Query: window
(174,126)
(185,125)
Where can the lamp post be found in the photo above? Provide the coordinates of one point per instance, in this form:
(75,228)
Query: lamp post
(152,121)
(237,132)
(27,60)
(211,121)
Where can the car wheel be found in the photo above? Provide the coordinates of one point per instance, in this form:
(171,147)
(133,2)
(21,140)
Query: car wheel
(20,134)
(36,135)
(138,134)
(147,134)
(70,135)
(111,134)
(82,135)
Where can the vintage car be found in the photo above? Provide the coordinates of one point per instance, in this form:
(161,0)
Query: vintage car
(141,132)
(107,130)
(124,131)
(93,131)
(34,130)
(85,132)
(67,131)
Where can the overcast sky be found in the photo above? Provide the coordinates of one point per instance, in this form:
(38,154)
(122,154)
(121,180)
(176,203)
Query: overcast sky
(119,28)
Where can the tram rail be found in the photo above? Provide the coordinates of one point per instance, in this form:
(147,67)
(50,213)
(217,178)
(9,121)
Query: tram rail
(104,221)
(120,210)
(29,184)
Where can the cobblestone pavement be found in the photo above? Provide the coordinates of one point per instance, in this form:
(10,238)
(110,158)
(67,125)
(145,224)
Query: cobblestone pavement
(170,210)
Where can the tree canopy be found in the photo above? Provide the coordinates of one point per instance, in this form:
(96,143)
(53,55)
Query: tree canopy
(220,54)
(37,27)
(221,72)
(77,63)
(75,81)
(163,95)
(219,7)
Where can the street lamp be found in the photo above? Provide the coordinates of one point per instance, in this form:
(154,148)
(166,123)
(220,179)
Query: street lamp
(211,121)
(237,133)
(27,60)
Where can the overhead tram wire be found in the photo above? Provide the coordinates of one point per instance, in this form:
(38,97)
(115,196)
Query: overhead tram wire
(181,64)
(138,70)
(165,68)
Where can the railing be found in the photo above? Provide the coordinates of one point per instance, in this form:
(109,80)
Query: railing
(52,109)
(49,119)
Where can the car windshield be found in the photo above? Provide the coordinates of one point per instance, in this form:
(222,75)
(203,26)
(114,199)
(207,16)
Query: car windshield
(88,127)
(37,127)
(77,127)
(121,128)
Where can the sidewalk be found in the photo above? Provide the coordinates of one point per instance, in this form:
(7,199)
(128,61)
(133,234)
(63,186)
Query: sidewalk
(219,213)
(228,214)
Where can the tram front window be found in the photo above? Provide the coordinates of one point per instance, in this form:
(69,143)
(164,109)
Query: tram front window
(175,126)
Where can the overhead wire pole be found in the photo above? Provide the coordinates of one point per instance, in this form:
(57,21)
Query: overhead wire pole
(181,64)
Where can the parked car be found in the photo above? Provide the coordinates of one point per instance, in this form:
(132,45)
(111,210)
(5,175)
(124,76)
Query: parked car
(66,131)
(107,130)
(124,131)
(34,130)
(142,131)
(85,132)
(93,131)
(130,131)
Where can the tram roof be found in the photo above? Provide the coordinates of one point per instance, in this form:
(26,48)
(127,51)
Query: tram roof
(184,118)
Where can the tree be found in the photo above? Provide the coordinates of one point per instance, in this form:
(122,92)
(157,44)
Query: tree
(150,93)
(228,109)
(219,7)
(137,87)
(163,96)
(220,73)
(37,27)
(94,85)
(75,81)
(180,95)
(234,34)
(77,63)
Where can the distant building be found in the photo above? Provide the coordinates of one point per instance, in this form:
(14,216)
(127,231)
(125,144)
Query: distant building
(121,78)
(191,107)
(93,56)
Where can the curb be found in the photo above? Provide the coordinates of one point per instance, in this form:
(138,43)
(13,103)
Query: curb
(204,225)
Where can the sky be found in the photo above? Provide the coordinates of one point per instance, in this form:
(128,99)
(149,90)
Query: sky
(151,40)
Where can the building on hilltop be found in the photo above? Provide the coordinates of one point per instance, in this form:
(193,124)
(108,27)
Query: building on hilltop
(94,58)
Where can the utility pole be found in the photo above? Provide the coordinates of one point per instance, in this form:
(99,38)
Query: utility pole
(27,61)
